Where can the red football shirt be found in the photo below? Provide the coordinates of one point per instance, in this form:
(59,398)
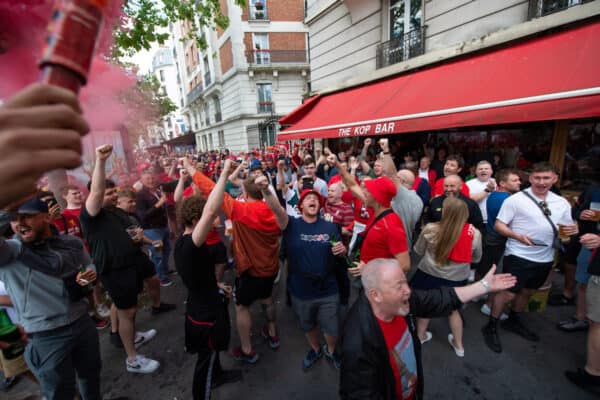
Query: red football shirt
(399,343)
(385,239)
(438,188)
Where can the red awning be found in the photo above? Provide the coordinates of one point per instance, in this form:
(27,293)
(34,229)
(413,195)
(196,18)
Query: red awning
(546,78)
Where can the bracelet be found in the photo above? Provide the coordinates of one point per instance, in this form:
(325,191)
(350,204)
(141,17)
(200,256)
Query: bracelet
(486,285)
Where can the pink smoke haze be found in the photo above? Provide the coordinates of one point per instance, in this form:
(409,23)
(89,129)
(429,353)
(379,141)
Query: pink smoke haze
(23,27)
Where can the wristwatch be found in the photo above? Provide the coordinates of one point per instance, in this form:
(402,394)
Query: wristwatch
(487,190)
(486,285)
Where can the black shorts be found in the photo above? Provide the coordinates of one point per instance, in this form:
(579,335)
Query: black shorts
(573,249)
(124,285)
(250,288)
(218,253)
(493,249)
(529,274)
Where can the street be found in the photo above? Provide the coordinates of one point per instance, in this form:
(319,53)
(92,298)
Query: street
(523,371)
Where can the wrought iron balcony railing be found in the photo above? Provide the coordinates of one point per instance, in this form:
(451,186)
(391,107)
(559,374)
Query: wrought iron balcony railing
(265,107)
(540,8)
(268,57)
(194,93)
(410,45)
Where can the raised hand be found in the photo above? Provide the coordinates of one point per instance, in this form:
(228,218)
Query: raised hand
(103,152)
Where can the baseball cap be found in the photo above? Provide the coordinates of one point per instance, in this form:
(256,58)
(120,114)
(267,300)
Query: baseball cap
(33,206)
(382,189)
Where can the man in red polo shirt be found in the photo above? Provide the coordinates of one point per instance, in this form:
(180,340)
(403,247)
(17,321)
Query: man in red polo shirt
(454,164)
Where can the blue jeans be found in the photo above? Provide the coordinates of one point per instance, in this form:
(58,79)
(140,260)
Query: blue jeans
(160,260)
(55,357)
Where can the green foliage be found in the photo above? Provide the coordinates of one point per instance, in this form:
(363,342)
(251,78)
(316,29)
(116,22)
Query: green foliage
(143,20)
(150,85)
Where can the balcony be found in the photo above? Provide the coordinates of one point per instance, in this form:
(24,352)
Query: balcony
(540,8)
(265,107)
(258,12)
(207,78)
(195,93)
(269,57)
(218,117)
(410,45)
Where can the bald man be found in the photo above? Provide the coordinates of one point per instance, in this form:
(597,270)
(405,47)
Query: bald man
(381,353)
(407,203)
(452,188)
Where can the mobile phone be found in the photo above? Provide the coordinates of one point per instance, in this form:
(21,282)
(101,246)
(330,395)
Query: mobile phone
(307,183)
(538,243)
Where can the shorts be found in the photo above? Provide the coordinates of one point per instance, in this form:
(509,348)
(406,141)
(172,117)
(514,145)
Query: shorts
(592,299)
(529,274)
(423,281)
(14,367)
(493,250)
(572,251)
(583,262)
(250,288)
(323,311)
(218,252)
(124,285)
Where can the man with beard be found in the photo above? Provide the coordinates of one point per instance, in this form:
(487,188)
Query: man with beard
(118,256)
(381,353)
(45,274)
(453,187)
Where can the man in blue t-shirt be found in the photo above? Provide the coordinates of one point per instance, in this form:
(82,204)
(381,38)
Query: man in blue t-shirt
(508,183)
(313,248)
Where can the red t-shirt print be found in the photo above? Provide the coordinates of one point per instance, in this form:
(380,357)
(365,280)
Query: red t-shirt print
(385,239)
(401,351)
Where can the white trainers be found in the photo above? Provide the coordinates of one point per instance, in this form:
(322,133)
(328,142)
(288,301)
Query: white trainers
(485,310)
(457,351)
(144,337)
(142,365)
(427,338)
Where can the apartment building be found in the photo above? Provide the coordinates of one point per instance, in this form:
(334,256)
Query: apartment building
(165,71)
(488,73)
(251,74)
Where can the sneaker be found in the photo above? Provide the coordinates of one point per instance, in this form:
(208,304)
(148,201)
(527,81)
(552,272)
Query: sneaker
(115,340)
(230,376)
(584,380)
(144,337)
(427,337)
(239,355)
(166,282)
(100,323)
(311,358)
(103,311)
(491,338)
(573,325)
(142,365)
(560,300)
(333,357)
(274,342)
(457,351)
(162,308)
(485,310)
(515,325)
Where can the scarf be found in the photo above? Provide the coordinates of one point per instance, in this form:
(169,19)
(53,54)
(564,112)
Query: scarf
(462,252)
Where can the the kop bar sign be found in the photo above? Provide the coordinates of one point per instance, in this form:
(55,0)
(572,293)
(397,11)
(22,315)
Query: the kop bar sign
(369,129)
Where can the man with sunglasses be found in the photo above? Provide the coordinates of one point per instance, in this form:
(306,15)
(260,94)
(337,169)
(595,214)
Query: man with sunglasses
(529,252)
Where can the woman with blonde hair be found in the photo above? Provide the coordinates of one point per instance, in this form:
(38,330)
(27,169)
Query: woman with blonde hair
(448,248)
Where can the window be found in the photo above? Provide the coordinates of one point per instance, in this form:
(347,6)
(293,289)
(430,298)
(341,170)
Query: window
(405,16)
(206,114)
(169,123)
(221,135)
(262,54)
(204,143)
(162,75)
(258,9)
(217,105)
(265,97)
(210,141)
(207,79)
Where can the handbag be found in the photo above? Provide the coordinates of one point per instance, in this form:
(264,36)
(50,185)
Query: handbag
(557,244)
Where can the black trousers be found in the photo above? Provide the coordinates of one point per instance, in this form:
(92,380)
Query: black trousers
(208,367)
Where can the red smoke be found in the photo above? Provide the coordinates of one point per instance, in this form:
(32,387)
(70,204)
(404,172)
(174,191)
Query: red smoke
(22,32)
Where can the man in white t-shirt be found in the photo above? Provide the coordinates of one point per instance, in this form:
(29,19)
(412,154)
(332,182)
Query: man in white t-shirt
(310,170)
(529,252)
(481,186)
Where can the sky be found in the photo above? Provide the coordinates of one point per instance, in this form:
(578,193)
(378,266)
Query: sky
(143,59)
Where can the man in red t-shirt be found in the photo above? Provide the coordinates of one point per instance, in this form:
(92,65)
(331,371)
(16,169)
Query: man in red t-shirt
(454,164)
(381,353)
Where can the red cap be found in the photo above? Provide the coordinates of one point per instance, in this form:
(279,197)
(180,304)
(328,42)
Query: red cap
(382,189)
(305,193)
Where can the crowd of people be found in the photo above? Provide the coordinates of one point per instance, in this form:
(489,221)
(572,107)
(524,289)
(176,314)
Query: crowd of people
(369,245)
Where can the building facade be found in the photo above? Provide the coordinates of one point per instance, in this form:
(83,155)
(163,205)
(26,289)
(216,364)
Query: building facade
(422,61)
(250,75)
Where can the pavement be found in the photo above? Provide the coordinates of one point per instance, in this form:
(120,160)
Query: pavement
(523,371)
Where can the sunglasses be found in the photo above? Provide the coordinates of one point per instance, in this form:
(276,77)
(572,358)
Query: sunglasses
(545,208)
